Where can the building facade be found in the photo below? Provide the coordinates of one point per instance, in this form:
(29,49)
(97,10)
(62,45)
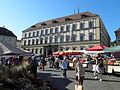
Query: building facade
(117,34)
(78,32)
(7,36)
(18,44)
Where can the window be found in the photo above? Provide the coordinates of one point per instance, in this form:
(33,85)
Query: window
(51,30)
(33,42)
(56,39)
(62,28)
(51,39)
(67,38)
(29,34)
(25,42)
(40,51)
(74,27)
(46,31)
(37,33)
(32,50)
(33,34)
(82,26)
(81,37)
(67,28)
(36,51)
(61,38)
(37,41)
(91,24)
(42,32)
(46,39)
(67,48)
(91,36)
(56,29)
(82,47)
(25,35)
(41,40)
(73,39)
(28,42)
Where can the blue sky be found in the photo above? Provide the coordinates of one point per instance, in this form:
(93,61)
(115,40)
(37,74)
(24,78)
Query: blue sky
(18,15)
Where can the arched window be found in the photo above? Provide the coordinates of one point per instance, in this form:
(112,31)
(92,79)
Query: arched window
(67,38)
(81,37)
(91,36)
(56,39)
(61,38)
(91,24)
(82,25)
(73,38)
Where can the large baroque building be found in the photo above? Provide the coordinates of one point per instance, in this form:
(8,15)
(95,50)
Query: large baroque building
(7,36)
(78,32)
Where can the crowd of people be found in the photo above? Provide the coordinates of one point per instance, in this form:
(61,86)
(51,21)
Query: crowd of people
(58,62)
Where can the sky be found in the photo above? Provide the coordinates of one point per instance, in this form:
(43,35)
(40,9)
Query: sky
(18,15)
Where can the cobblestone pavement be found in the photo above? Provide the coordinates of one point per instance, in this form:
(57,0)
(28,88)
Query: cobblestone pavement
(108,83)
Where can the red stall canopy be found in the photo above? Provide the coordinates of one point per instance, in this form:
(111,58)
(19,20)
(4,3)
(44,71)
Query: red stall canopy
(96,48)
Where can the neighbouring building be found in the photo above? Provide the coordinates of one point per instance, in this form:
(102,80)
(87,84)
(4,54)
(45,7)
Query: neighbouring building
(77,31)
(117,34)
(18,44)
(7,36)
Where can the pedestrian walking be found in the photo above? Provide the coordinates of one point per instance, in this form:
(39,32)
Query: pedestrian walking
(57,60)
(64,67)
(99,68)
(42,63)
(80,71)
(34,64)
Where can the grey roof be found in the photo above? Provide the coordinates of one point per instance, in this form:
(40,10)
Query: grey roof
(8,49)
(61,20)
(6,32)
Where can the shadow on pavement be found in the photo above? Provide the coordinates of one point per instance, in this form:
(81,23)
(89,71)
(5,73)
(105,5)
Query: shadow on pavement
(111,80)
(102,80)
(60,83)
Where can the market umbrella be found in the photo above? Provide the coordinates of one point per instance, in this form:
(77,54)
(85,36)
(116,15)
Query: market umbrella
(96,48)
(56,53)
(8,49)
(72,52)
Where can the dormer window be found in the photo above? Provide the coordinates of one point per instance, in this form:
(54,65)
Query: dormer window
(43,24)
(68,19)
(54,21)
(33,26)
(84,16)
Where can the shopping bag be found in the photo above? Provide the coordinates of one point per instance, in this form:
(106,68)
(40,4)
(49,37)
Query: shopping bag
(78,87)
